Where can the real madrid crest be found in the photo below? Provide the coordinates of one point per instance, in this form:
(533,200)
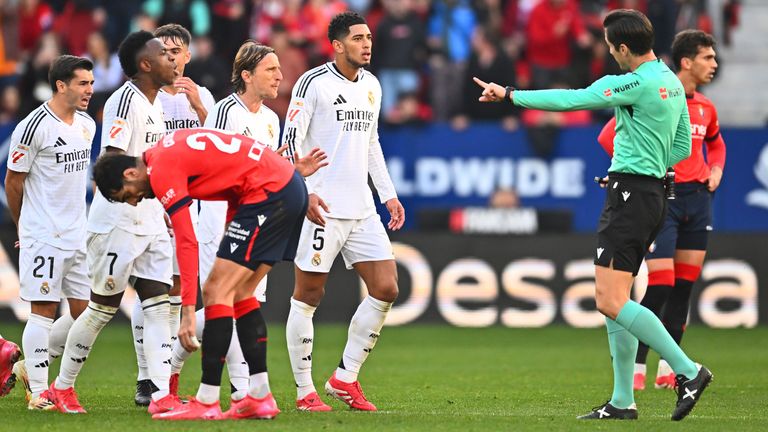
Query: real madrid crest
(371,99)
(270,131)
(110,285)
(316,259)
(86,135)
(44,288)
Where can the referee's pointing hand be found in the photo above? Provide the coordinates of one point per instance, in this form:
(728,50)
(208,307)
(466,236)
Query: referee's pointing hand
(491,92)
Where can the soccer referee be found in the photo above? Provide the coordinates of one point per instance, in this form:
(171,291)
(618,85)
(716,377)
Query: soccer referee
(653,132)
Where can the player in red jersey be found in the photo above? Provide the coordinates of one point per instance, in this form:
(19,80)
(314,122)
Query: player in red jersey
(267,202)
(676,257)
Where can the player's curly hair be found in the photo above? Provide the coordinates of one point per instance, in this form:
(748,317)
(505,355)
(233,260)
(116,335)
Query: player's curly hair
(338,29)
(175,32)
(63,69)
(687,44)
(250,54)
(108,172)
(631,28)
(129,51)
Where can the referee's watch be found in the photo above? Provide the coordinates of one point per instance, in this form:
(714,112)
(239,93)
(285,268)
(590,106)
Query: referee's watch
(507,92)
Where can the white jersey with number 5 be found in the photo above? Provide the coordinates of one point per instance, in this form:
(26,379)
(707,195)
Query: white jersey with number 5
(133,124)
(341,117)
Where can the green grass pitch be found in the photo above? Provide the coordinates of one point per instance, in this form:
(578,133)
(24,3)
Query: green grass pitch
(438,378)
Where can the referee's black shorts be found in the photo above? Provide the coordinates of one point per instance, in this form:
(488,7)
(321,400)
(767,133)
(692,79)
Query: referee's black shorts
(632,216)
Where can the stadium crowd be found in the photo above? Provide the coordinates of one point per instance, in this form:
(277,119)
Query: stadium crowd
(422,48)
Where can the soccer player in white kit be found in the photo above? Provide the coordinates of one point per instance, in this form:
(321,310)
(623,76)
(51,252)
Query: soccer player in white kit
(127,243)
(185,105)
(256,77)
(45,184)
(336,107)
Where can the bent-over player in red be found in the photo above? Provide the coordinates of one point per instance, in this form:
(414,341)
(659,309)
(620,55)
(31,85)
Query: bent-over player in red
(267,202)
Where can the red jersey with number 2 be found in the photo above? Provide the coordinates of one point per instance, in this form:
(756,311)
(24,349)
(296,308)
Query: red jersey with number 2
(705,129)
(209,165)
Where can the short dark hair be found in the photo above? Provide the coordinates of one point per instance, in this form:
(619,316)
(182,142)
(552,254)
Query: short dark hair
(63,69)
(250,54)
(338,29)
(687,44)
(174,32)
(631,28)
(108,172)
(129,50)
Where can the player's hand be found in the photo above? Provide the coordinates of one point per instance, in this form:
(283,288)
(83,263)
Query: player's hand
(396,214)
(310,163)
(188,87)
(313,210)
(187,329)
(715,176)
(491,92)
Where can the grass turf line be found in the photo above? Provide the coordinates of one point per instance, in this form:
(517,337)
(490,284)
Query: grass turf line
(437,378)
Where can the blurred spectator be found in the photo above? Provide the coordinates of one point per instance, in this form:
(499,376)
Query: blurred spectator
(9,105)
(490,13)
(552,26)
(504,198)
(107,73)
(450,32)
(265,15)
(399,52)
(360,6)
(74,25)
(230,21)
(9,43)
(208,70)
(543,127)
(316,15)
(115,18)
(33,84)
(731,11)
(662,15)
(192,14)
(489,63)
(293,63)
(693,15)
(409,111)
(35,18)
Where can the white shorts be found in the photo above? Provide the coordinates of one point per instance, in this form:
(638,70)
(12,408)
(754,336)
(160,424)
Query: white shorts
(208,255)
(116,256)
(47,273)
(358,240)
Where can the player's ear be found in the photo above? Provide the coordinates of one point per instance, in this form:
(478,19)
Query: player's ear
(246,76)
(131,173)
(685,63)
(338,46)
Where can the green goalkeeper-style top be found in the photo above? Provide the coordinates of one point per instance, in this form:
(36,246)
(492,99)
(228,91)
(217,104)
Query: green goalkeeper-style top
(653,128)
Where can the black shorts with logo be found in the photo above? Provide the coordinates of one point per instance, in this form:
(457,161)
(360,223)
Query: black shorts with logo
(632,216)
(688,221)
(268,231)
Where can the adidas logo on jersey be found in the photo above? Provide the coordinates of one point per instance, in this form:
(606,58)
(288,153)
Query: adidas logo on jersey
(150,121)
(60,142)
(247,132)
(340,100)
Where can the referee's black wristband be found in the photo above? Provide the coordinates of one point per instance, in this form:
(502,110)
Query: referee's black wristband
(507,92)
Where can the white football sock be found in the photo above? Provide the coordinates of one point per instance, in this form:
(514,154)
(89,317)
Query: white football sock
(207,394)
(58,336)
(640,368)
(82,335)
(157,342)
(137,327)
(299,335)
(259,385)
(237,367)
(175,317)
(364,330)
(34,341)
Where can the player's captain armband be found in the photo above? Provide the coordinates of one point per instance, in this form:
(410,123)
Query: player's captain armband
(118,125)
